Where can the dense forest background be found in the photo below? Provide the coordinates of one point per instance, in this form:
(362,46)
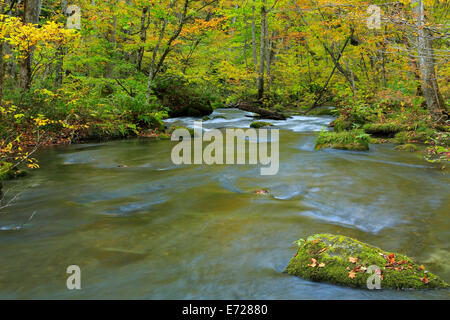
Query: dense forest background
(117,68)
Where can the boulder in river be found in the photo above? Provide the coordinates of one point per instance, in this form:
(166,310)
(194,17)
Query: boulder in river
(345,261)
(181,98)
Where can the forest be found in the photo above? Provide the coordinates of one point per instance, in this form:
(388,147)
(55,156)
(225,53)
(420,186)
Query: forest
(92,91)
(109,69)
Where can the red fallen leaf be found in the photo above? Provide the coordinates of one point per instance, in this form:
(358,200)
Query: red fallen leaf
(424,279)
(391,258)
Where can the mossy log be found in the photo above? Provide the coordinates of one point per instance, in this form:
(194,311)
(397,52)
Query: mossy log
(345,261)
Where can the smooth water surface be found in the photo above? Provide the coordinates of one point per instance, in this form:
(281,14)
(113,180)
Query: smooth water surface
(155,230)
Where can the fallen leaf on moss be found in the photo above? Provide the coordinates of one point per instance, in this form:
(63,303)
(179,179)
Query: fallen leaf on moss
(353,260)
(322,250)
(315,241)
(313,263)
(391,258)
(321,265)
(424,279)
(352,274)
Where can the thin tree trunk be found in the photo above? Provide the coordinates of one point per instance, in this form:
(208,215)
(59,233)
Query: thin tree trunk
(262,52)
(32,10)
(154,68)
(143,37)
(255,57)
(433,97)
(61,52)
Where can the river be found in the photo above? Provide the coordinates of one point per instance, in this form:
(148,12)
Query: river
(154,230)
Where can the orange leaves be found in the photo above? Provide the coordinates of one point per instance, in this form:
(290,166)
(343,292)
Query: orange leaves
(424,279)
(352,274)
(353,260)
(315,264)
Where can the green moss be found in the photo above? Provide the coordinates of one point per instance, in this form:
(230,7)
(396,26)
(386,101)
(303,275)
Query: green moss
(407,147)
(5,171)
(260,124)
(347,140)
(175,127)
(164,136)
(385,128)
(341,124)
(8,173)
(414,136)
(323,111)
(332,255)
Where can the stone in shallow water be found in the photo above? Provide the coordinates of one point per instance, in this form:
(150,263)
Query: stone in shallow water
(342,260)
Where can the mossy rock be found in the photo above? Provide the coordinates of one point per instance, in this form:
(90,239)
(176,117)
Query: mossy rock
(205,118)
(414,136)
(407,147)
(260,124)
(345,261)
(9,173)
(355,140)
(383,129)
(219,117)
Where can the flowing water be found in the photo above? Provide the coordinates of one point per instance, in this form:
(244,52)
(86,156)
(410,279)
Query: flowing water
(159,231)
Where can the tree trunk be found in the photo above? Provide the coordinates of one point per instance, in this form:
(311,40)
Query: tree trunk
(143,37)
(32,10)
(255,57)
(262,52)
(61,52)
(430,88)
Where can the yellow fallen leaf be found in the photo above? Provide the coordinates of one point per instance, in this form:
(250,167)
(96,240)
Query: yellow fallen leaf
(321,265)
(352,274)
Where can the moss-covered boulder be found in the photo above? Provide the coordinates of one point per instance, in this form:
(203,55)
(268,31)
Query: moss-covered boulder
(260,124)
(388,129)
(345,261)
(355,140)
